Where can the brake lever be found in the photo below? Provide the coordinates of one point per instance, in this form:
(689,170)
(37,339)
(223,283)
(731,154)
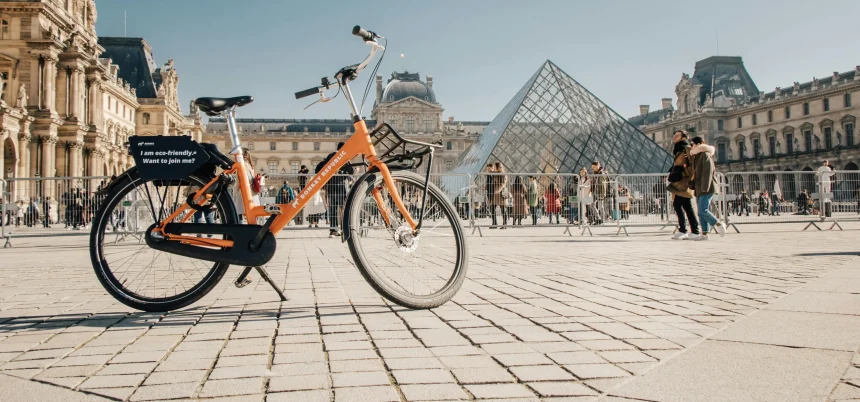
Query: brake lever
(322,99)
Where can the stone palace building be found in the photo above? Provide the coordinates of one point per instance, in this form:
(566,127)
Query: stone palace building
(281,146)
(71,99)
(792,128)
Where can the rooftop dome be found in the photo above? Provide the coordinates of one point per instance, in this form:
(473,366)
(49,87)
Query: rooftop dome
(403,85)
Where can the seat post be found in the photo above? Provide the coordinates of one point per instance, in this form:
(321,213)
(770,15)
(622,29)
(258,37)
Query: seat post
(230,116)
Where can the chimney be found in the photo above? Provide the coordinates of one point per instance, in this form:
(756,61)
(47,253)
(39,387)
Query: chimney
(430,81)
(643,110)
(378,89)
(667,103)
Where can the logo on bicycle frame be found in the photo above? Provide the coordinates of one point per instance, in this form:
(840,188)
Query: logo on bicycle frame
(319,177)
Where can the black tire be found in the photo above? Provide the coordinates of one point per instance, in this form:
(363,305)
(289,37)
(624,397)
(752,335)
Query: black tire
(353,225)
(128,182)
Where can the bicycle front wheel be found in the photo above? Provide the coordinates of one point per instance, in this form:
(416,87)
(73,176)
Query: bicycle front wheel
(422,271)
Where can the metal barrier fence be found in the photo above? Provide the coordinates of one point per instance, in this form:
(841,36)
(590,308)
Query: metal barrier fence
(63,205)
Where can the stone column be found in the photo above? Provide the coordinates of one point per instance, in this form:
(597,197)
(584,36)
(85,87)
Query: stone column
(75,159)
(3,137)
(76,91)
(49,163)
(49,82)
(62,84)
(23,165)
(95,102)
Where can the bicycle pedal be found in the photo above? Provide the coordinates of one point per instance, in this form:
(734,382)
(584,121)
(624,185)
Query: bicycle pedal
(272,209)
(242,283)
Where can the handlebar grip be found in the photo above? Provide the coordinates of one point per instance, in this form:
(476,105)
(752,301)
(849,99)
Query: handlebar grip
(307,92)
(363,34)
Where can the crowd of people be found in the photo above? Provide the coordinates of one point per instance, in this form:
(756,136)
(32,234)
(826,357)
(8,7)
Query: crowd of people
(513,200)
(74,208)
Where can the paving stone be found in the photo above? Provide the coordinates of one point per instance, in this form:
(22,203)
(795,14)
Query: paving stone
(168,377)
(562,388)
(342,366)
(300,396)
(523,359)
(485,391)
(541,373)
(241,386)
(422,376)
(164,391)
(589,371)
(482,375)
(299,383)
(360,379)
(433,392)
(113,381)
(362,394)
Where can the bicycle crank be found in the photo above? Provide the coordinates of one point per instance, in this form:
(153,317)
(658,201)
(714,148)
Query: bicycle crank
(240,253)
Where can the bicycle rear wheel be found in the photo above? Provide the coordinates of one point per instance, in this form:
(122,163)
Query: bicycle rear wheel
(137,275)
(422,271)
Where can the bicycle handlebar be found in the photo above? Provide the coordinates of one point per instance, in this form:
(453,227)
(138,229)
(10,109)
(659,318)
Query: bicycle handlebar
(307,92)
(364,34)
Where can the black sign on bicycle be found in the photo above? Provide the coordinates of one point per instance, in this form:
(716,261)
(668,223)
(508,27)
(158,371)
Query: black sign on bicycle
(166,158)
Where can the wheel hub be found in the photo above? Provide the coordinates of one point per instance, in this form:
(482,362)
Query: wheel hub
(405,240)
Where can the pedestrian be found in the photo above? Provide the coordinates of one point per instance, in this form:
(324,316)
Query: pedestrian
(46,208)
(763,203)
(553,203)
(19,213)
(624,202)
(504,194)
(775,200)
(599,189)
(518,194)
(804,202)
(744,203)
(490,191)
(680,177)
(533,198)
(705,186)
(32,212)
(303,180)
(335,191)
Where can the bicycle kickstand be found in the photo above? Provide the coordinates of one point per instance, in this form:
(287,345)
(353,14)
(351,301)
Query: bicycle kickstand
(243,280)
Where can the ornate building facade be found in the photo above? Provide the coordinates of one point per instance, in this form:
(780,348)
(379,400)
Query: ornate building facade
(68,102)
(792,128)
(281,146)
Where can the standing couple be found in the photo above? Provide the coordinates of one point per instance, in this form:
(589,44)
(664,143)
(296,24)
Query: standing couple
(693,175)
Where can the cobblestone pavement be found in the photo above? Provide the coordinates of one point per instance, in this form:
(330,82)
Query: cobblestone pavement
(541,316)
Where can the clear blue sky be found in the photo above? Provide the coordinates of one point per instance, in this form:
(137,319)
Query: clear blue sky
(481,52)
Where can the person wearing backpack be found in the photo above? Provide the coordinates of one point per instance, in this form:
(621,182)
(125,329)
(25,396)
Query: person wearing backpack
(335,191)
(680,176)
(286,194)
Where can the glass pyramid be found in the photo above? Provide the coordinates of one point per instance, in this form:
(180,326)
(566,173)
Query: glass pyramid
(555,125)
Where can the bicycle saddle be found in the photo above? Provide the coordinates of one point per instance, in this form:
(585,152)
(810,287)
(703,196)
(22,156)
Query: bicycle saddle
(214,106)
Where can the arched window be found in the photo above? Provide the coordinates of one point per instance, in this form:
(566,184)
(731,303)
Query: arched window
(146,118)
(410,124)
(428,124)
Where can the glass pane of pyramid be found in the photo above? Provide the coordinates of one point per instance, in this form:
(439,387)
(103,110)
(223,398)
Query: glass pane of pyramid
(555,125)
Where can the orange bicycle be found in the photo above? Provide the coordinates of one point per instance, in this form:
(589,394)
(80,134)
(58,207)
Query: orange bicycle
(173,215)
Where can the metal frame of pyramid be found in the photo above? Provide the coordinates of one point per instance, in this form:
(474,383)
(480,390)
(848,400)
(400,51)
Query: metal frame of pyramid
(555,125)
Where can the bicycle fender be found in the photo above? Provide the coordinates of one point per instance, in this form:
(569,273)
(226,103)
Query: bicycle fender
(370,176)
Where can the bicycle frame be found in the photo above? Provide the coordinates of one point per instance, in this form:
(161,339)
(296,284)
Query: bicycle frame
(359,144)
